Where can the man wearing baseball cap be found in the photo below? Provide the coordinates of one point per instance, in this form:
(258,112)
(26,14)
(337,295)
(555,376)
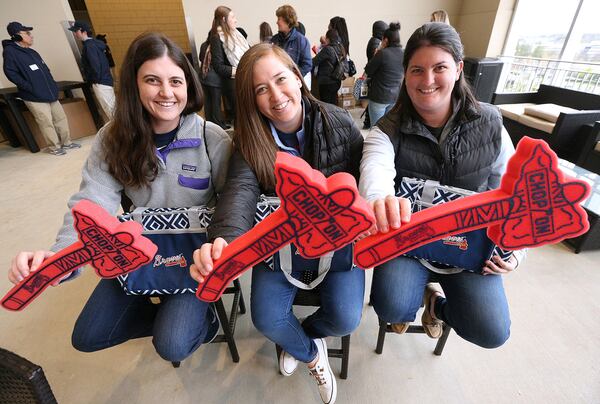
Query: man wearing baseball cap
(96,70)
(37,88)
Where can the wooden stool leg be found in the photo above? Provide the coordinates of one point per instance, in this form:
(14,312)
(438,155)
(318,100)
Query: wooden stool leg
(381,336)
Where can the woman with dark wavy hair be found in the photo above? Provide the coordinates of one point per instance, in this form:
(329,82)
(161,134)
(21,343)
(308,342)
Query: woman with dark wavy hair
(159,153)
(438,131)
(276,112)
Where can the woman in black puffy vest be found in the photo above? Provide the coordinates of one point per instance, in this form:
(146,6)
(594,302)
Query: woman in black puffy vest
(437,131)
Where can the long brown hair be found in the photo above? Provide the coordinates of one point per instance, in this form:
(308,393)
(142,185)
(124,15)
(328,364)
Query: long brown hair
(265,33)
(128,145)
(253,136)
(220,20)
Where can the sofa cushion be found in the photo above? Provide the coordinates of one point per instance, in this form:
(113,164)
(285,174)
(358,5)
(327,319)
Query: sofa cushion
(513,111)
(547,112)
(536,123)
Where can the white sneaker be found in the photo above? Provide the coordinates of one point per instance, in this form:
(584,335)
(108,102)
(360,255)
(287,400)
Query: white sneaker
(287,364)
(323,374)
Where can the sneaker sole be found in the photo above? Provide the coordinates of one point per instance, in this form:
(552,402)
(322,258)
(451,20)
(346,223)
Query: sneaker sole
(282,369)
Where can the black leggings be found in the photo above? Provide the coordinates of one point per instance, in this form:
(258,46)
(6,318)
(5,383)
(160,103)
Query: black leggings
(212,105)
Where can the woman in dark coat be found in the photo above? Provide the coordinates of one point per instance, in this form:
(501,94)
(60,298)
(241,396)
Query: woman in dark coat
(385,74)
(326,62)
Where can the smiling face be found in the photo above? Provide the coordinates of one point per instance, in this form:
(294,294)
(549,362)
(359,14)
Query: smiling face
(430,79)
(277,93)
(163,92)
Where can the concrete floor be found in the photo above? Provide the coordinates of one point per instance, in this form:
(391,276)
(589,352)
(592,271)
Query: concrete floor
(552,355)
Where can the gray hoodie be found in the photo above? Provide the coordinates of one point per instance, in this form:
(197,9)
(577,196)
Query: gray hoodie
(186,175)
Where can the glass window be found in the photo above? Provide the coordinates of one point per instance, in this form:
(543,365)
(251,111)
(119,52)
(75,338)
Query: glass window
(584,43)
(540,27)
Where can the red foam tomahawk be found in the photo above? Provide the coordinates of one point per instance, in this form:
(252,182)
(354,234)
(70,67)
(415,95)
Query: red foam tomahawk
(111,247)
(536,204)
(319,215)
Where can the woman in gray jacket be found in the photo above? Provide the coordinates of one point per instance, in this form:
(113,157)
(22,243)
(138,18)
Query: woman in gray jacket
(159,153)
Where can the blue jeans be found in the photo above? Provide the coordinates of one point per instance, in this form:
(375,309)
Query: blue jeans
(377,110)
(110,317)
(475,305)
(342,295)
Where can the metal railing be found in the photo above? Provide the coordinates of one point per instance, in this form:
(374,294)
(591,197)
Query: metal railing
(525,74)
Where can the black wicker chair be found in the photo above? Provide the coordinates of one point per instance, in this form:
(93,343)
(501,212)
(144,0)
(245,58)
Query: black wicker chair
(311,298)
(590,157)
(22,382)
(567,139)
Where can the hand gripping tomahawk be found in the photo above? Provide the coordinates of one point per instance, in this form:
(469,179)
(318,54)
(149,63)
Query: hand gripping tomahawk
(112,248)
(320,215)
(536,204)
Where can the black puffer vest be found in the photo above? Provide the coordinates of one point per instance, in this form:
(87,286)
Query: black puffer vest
(465,159)
(330,139)
(333,144)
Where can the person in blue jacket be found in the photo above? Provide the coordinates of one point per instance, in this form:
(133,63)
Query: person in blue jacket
(96,70)
(27,70)
(292,41)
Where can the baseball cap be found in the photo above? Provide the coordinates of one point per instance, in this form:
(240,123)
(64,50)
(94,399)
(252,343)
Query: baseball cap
(80,25)
(14,28)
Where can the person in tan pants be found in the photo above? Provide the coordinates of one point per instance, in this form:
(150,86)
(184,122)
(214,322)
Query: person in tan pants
(96,69)
(37,88)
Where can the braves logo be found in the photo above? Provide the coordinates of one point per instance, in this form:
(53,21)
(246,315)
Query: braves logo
(172,261)
(458,241)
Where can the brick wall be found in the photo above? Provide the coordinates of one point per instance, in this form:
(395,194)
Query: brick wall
(123,20)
